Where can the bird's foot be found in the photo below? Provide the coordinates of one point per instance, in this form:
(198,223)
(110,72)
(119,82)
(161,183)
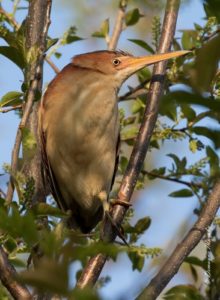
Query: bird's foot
(119,229)
(120,202)
(103,197)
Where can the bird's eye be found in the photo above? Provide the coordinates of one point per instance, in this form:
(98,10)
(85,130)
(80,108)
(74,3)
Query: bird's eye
(116,62)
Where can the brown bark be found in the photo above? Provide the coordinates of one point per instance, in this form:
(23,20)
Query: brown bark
(8,278)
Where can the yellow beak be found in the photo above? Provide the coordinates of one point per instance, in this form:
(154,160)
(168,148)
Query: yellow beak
(133,64)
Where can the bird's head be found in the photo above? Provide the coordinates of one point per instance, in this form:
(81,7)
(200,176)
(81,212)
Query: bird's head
(119,65)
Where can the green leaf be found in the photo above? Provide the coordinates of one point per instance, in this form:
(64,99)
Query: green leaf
(143,45)
(85,293)
(182,193)
(51,42)
(168,109)
(179,97)
(183,292)
(137,105)
(159,171)
(144,74)
(194,272)
(213,135)
(123,164)
(104,30)
(188,112)
(47,276)
(129,133)
(176,45)
(212,8)
(189,39)
(180,163)
(132,17)
(57,54)
(213,162)
(206,65)
(71,36)
(193,260)
(44,209)
(137,255)
(154,143)
(25,225)
(142,225)
(14,55)
(11,99)
(138,262)
(197,26)
(10,244)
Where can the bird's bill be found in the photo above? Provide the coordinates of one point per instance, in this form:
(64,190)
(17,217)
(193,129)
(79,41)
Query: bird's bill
(136,63)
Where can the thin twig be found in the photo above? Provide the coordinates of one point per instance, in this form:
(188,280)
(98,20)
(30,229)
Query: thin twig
(17,107)
(9,18)
(15,152)
(52,65)
(118,25)
(8,276)
(2,193)
(15,6)
(135,92)
(164,177)
(184,248)
(93,269)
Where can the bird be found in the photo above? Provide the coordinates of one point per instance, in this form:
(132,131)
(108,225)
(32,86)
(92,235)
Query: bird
(80,133)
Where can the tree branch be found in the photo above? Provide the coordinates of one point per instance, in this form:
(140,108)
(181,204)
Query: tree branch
(52,65)
(164,177)
(9,18)
(5,110)
(135,92)
(118,25)
(184,248)
(37,26)
(93,269)
(8,275)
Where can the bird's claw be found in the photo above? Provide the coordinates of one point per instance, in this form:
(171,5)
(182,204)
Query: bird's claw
(103,197)
(120,202)
(119,229)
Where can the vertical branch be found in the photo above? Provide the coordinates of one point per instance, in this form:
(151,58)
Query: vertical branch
(118,25)
(38,21)
(184,248)
(93,269)
(8,275)
(37,24)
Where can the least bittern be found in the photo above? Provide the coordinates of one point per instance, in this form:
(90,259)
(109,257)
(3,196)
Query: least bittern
(79,129)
